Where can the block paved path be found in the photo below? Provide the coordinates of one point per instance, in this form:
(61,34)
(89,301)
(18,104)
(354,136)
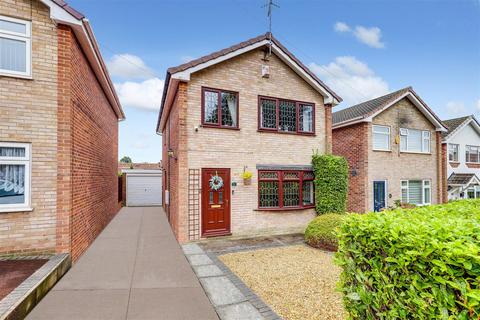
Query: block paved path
(135,269)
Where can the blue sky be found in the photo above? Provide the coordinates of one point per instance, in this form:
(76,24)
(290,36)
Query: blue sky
(362,49)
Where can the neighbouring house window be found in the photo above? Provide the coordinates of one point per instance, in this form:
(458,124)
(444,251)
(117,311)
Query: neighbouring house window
(418,192)
(219,108)
(381,138)
(15,46)
(412,140)
(286,116)
(453,152)
(285,189)
(472,154)
(14,176)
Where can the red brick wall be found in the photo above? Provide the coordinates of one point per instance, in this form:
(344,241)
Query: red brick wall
(328,128)
(88,145)
(352,143)
(175,140)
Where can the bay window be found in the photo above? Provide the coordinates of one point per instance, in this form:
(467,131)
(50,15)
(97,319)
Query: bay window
(472,154)
(219,108)
(281,189)
(453,152)
(418,192)
(14,176)
(381,138)
(286,116)
(412,140)
(15,46)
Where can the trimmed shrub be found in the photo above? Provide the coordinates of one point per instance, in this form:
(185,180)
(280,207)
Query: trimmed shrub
(331,183)
(421,263)
(320,232)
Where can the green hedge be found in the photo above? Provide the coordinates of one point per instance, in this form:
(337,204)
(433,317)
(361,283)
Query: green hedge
(331,183)
(421,263)
(320,232)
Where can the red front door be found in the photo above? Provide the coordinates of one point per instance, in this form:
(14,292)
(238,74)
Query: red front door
(215,202)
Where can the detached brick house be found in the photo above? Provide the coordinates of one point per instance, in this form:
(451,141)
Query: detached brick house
(393,146)
(244,108)
(58,130)
(462,142)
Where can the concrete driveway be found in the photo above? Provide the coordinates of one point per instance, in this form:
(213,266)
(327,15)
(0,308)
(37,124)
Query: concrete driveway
(135,269)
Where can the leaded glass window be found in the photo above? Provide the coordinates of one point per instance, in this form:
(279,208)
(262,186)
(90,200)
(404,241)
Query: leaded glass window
(269,196)
(305,122)
(268,114)
(285,189)
(220,108)
(286,116)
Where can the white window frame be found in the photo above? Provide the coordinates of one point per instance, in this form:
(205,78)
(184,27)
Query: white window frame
(426,184)
(26,161)
(425,135)
(467,148)
(458,151)
(383,133)
(24,37)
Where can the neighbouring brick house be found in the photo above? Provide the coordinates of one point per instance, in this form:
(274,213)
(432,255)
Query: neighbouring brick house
(240,110)
(462,144)
(58,130)
(393,146)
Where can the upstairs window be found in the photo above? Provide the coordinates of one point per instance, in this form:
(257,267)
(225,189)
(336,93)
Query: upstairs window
(453,152)
(219,108)
(286,116)
(14,176)
(472,154)
(381,138)
(285,189)
(412,140)
(15,46)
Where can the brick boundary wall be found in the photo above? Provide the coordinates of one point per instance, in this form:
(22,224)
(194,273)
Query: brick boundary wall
(351,142)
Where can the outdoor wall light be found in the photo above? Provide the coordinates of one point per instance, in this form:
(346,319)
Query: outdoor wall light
(171,154)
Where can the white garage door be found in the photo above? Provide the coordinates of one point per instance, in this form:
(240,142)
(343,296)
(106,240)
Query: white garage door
(144,190)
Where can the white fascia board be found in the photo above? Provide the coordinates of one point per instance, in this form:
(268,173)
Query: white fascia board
(418,104)
(57,13)
(185,75)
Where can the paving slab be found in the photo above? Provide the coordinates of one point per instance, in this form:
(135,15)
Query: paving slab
(221,291)
(239,311)
(207,271)
(135,269)
(192,248)
(199,259)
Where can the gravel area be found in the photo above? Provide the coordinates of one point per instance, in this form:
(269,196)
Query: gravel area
(297,282)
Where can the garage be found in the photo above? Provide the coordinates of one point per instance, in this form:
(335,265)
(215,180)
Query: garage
(143,187)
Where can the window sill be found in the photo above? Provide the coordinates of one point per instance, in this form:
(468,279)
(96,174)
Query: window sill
(284,209)
(309,134)
(219,127)
(22,209)
(416,152)
(18,76)
(381,150)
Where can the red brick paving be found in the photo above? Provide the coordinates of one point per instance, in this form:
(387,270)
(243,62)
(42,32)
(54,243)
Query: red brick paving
(14,272)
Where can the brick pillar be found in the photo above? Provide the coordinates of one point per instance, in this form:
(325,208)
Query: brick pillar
(441,164)
(64,140)
(328,128)
(444,173)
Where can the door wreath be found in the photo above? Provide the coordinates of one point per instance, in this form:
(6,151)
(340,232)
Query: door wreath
(216,182)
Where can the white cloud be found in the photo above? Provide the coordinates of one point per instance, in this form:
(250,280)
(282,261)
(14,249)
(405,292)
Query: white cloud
(352,79)
(145,95)
(456,108)
(370,36)
(128,66)
(341,27)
